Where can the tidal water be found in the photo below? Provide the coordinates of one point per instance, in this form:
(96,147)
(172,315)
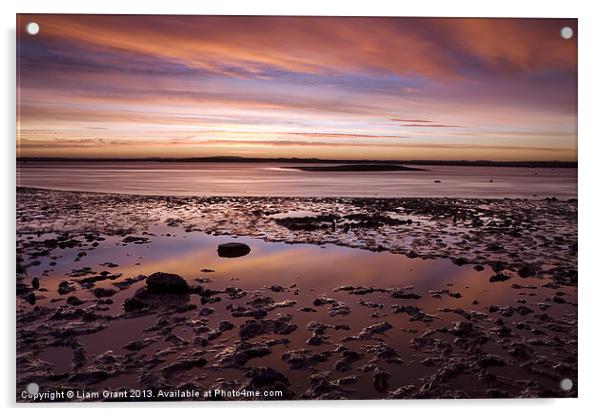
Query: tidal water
(271,179)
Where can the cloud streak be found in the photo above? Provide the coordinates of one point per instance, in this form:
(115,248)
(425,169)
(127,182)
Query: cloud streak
(330,83)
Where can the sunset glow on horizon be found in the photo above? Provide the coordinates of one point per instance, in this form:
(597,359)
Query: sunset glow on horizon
(323,87)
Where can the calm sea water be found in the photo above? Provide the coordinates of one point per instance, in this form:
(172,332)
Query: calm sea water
(266,179)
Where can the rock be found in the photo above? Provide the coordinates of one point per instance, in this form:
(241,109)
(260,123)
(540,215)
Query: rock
(372,330)
(439,293)
(370,304)
(497,266)
(30,298)
(315,339)
(238,311)
(521,351)
(126,283)
(317,327)
(64,288)
(499,277)
(235,293)
(336,307)
(225,325)
(470,315)
(266,376)
(322,388)
(343,381)
(340,308)
(268,379)
(497,394)
(215,299)
(381,379)
(285,304)
(491,360)
(237,356)
(101,292)
(304,359)
(166,283)
(233,250)
(183,364)
(278,341)
(543,306)
(134,304)
(92,376)
(401,294)
(74,301)
(206,311)
(459,261)
(462,329)
(21,269)
(135,240)
(349,357)
(254,328)
(523,310)
(22,288)
(526,271)
(384,352)
(494,247)
(138,345)
(416,314)
(402,392)
(323,301)
(359,290)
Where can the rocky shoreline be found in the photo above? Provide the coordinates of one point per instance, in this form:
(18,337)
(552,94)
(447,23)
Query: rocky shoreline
(345,341)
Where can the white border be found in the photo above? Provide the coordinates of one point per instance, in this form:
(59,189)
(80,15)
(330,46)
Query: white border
(590,137)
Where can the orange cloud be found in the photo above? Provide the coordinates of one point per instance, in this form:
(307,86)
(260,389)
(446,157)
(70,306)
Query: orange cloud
(177,84)
(225,44)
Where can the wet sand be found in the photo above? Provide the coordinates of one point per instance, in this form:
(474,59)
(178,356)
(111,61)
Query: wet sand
(353,298)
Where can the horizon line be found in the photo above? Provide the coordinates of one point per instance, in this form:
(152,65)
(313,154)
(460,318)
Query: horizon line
(229,159)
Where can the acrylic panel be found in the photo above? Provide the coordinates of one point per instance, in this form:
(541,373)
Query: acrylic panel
(295,208)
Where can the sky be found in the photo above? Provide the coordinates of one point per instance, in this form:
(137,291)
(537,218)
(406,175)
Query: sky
(339,88)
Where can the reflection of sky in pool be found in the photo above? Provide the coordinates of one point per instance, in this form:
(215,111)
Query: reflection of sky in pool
(314,270)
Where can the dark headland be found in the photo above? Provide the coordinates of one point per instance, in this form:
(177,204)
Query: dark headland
(355,168)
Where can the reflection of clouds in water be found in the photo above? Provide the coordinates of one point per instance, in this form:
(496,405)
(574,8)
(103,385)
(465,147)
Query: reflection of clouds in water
(232,179)
(269,263)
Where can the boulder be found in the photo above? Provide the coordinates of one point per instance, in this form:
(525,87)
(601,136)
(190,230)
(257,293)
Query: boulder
(233,250)
(166,283)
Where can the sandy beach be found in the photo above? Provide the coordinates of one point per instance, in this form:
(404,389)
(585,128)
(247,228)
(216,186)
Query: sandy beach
(301,298)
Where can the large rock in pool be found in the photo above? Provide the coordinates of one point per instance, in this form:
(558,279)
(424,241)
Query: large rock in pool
(233,250)
(166,283)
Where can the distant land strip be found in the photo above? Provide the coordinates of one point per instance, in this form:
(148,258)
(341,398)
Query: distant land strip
(362,167)
(284,160)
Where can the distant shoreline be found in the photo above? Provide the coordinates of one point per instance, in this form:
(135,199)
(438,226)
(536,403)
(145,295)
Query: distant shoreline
(234,159)
(381,167)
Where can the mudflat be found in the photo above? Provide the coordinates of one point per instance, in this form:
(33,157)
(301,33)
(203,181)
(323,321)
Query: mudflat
(326,298)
